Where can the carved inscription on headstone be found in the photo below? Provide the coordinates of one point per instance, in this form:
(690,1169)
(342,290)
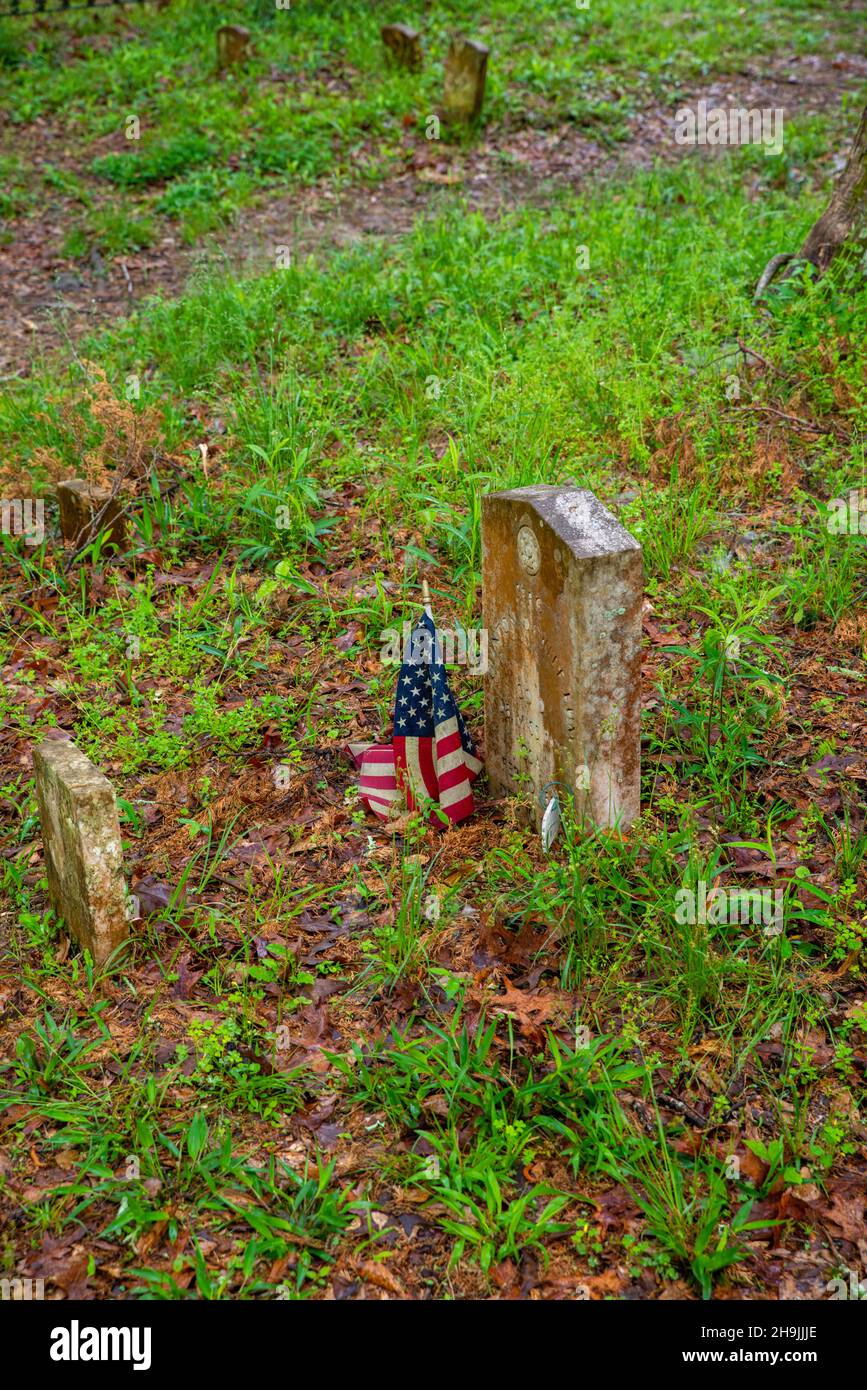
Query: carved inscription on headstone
(562,595)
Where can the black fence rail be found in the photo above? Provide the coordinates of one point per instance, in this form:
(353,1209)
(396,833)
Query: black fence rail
(10,8)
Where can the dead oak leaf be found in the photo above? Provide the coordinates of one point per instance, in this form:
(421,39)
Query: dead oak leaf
(382,1277)
(530,1008)
(848,1207)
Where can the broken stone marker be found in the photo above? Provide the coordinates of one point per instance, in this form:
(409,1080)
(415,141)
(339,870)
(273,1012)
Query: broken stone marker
(233,46)
(404,44)
(81,839)
(465,72)
(80,502)
(562,585)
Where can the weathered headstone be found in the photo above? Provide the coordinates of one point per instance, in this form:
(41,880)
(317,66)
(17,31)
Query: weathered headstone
(562,597)
(233,46)
(465,72)
(80,502)
(81,839)
(404,44)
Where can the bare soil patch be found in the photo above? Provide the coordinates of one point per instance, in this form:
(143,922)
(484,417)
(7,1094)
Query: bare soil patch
(48,300)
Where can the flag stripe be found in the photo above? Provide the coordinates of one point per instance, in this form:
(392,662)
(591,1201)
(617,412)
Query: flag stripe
(431,757)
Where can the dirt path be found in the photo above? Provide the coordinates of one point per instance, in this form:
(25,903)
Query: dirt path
(48,300)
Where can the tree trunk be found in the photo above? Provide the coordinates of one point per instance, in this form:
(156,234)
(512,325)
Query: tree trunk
(845,217)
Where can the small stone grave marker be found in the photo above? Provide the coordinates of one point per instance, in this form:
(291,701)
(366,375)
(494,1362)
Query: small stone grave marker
(80,502)
(562,585)
(465,71)
(404,44)
(233,46)
(81,839)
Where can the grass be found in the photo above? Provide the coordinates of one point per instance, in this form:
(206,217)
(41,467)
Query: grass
(317,97)
(323,1037)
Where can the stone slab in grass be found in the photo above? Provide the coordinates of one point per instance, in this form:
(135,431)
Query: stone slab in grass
(562,585)
(81,839)
(466,70)
(80,502)
(404,45)
(233,46)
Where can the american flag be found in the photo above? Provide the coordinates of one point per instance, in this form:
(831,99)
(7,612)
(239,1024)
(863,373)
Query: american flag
(431,756)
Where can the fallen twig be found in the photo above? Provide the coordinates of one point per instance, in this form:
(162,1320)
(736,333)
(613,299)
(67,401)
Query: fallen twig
(796,421)
(681,1107)
(751,352)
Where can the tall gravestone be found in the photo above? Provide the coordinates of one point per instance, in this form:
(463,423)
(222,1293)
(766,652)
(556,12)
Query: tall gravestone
(81,840)
(404,45)
(233,46)
(562,597)
(466,70)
